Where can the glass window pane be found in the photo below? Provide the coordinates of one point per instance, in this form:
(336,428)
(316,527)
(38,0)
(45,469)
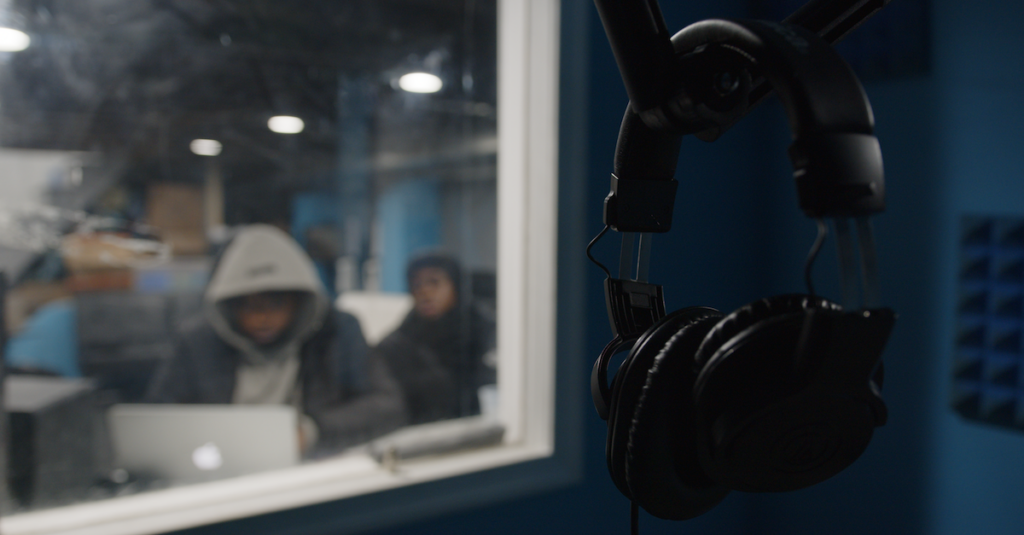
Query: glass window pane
(242,222)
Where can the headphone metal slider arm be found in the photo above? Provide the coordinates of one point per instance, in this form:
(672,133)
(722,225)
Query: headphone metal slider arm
(640,205)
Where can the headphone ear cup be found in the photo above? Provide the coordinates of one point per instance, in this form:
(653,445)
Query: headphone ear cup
(656,445)
(764,421)
(629,381)
(749,315)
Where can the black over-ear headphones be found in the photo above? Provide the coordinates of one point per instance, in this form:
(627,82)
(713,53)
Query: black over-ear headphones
(784,392)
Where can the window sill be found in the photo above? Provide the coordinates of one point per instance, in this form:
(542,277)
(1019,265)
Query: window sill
(219,501)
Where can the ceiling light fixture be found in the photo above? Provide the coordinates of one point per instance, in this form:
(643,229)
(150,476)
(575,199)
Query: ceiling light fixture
(420,82)
(12,40)
(205,147)
(285,124)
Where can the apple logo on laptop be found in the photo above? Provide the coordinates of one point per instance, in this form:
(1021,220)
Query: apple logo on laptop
(207,457)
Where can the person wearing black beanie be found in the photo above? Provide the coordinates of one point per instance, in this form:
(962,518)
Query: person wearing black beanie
(441,353)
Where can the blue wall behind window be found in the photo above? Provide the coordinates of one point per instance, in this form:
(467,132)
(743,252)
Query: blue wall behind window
(952,144)
(311,209)
(410,219)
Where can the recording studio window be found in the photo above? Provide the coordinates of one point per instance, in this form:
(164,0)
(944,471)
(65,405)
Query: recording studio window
(252,251)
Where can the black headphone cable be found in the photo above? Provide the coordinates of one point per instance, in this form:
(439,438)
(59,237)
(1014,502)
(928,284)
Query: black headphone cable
(591,245)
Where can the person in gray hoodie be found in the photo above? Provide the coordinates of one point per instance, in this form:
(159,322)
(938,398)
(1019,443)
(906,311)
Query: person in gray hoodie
(268,335)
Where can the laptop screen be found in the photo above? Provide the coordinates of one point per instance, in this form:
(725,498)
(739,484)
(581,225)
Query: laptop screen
(194,443)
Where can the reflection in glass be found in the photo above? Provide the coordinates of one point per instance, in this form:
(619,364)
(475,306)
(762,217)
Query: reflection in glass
(142,147)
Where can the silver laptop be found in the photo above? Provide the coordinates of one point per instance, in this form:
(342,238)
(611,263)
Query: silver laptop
(195,443)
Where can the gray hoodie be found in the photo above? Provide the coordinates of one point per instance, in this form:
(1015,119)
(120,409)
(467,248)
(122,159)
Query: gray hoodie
(321,364)
(262,258)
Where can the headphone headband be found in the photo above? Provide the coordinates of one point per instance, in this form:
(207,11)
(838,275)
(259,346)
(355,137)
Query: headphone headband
(836,159)
(818,89)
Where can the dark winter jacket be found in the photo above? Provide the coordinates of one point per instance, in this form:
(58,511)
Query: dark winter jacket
(351,396)
(440,364)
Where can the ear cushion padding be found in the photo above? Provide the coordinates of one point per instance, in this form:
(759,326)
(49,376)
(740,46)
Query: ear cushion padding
(629,381)
(663,469)
(761,428)
(750,314)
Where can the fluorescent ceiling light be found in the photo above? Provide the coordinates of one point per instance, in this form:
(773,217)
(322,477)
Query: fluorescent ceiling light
(285,124)
(12,40)
(205,147)
(420,82)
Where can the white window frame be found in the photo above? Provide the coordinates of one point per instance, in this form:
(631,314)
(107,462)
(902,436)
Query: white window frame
(528,460)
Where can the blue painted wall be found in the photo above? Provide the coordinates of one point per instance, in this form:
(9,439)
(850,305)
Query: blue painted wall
(410,217)
(978,472)
(952,143)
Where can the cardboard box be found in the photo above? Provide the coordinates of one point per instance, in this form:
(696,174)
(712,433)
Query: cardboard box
(176,211)
(100,281)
